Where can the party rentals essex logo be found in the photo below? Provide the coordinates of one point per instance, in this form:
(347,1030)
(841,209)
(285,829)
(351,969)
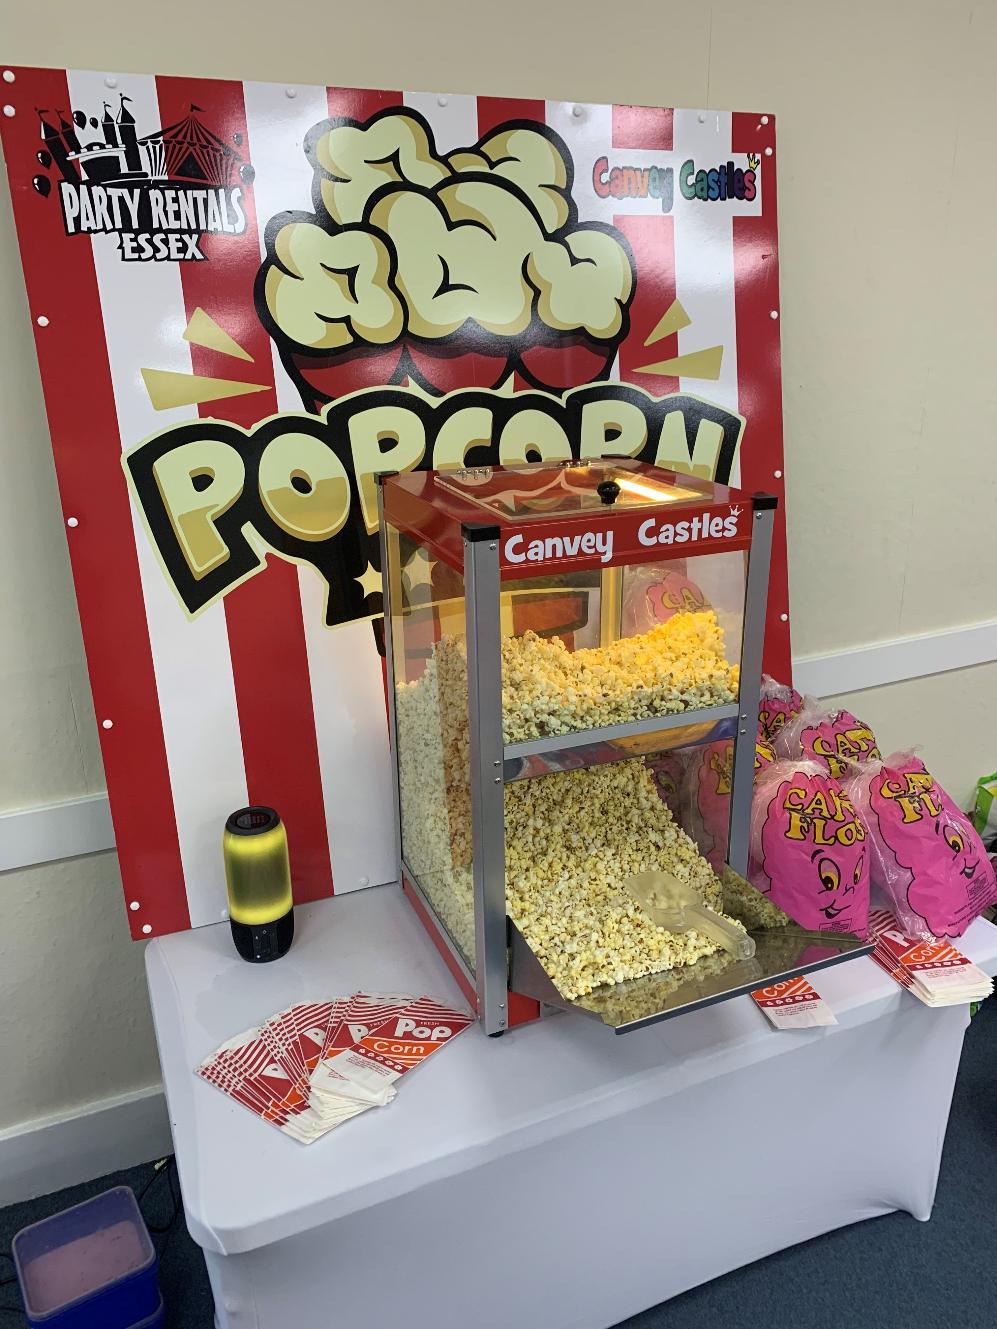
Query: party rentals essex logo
(159,193)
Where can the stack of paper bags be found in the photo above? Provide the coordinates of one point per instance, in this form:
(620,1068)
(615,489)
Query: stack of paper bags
(317,1064)
(934,971)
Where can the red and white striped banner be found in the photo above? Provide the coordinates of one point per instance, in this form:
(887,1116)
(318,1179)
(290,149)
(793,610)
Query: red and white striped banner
(229,645)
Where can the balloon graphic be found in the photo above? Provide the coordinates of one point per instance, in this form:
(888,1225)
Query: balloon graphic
(43,184)
(44,158)
(93,123)
(80,119)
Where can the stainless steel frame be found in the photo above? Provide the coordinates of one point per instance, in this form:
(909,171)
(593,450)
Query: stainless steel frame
(609,733)
(387,607)
(749,689)
(780,953)
(484,706)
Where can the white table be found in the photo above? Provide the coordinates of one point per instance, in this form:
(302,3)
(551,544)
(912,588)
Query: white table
(560,1177)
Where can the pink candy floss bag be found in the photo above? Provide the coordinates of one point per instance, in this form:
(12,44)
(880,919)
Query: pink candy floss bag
(927,859)
(808,847)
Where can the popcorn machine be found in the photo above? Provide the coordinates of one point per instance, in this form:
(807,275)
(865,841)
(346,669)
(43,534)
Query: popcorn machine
(551,629)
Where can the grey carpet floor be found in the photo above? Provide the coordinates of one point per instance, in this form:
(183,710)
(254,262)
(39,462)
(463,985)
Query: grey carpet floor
(891,1273)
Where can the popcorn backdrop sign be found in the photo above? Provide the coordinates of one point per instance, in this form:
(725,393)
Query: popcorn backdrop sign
(249,300)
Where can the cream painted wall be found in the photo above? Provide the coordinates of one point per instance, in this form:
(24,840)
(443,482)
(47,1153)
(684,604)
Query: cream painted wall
(890,376)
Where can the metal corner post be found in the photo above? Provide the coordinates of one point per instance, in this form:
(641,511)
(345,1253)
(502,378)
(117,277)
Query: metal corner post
(387,606)
(752,643)
(484,706)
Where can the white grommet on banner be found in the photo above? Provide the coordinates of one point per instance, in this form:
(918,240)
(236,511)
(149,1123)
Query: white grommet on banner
(134,905)
(768,152)
(577,112)
(42,321)
(784,617)
(441,101)
(773,313)
(8,76)
(290,92)
(147,928)
(765,119)
(107,724)
(73,522)
(8,111)
(778,475)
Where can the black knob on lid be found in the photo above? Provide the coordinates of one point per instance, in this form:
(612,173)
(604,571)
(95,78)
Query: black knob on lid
(608,491)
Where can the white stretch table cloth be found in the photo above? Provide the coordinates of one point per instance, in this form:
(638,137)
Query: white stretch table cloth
(560,1177)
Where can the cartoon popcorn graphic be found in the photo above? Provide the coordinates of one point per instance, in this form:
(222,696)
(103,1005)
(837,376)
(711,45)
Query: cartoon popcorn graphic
(442,271)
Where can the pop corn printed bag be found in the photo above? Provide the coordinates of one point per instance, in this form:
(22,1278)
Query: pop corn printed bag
(778,704)
(836,739)
(709,796)
(808,847)
(926,857)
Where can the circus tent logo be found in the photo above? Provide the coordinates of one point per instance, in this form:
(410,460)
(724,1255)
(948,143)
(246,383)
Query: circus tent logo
(160,193)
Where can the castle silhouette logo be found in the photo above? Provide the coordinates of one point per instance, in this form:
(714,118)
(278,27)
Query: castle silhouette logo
(159,193)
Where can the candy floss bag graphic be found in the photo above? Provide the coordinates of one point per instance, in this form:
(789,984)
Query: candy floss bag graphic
(778,704)
(708,787)
(835,739)
(926,857)
(809,848)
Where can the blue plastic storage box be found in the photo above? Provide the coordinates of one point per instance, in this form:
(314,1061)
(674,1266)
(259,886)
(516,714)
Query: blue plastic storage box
(91,1267)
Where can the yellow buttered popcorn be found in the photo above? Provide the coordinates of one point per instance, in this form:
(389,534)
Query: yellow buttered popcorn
(678,665)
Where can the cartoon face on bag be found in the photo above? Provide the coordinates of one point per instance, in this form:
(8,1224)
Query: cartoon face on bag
(929,837)
(839,741)
(814,852)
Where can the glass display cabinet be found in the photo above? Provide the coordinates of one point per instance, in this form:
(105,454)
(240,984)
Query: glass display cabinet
(559,637)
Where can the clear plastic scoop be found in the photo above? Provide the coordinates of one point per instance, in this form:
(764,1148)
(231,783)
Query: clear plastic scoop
(675,906)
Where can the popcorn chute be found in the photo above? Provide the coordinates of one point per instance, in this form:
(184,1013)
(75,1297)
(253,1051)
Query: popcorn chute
(549,628)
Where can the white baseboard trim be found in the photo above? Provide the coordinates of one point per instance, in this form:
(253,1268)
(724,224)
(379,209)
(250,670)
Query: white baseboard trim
(63,1150)
(83,825)
(896,661)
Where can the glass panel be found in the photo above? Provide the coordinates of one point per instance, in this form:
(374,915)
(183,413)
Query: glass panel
(586,650)
(430,654)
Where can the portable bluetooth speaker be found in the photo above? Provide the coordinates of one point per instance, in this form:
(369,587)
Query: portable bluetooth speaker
(258,875)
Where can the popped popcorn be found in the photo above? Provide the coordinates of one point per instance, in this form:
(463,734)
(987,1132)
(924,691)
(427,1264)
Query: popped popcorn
(571,841)
(676,666)
(573,837)
(434,788)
